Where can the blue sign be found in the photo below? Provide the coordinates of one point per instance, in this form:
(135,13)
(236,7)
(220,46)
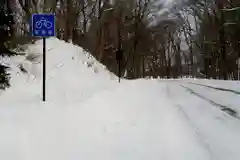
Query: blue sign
(43,25)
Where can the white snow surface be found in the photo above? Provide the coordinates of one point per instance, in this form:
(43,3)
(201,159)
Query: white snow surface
(89,116)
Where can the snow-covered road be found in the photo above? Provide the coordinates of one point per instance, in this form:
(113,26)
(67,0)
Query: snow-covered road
(144,119)
(218,129)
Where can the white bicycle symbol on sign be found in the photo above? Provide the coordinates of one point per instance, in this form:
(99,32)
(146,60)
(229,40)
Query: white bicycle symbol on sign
(43,22)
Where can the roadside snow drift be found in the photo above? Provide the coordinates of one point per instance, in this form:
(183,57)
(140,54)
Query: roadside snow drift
(72,74)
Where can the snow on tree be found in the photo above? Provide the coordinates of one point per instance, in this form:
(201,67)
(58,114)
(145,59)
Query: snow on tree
(6,32)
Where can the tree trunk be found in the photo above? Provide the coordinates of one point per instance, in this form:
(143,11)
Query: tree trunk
(222,44)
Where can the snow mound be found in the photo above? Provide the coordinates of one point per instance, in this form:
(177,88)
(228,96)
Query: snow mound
(59,54)
(69,70)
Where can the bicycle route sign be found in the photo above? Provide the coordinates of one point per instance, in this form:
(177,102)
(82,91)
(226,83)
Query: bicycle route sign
(43,25)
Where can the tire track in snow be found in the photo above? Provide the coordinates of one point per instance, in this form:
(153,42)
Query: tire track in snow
(223,108)
(197,131)
(216,88)
(199,134)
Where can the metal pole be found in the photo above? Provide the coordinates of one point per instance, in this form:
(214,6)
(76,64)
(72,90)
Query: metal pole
(119,70)
(238,62)
(44,70)
(119,51)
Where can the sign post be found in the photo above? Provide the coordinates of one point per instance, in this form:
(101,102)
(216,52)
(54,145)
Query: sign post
(44,70)
(43,25)
(119,56)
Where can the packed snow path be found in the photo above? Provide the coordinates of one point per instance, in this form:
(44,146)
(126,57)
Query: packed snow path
(90,116)
(218,128)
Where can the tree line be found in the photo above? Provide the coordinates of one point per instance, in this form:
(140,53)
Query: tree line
(194,38)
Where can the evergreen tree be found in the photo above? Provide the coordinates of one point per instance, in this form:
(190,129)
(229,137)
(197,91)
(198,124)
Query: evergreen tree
(6,31)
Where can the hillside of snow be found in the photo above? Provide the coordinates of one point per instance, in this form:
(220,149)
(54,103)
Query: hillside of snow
(69,70)
(88,115)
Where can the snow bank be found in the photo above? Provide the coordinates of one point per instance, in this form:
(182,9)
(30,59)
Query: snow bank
(70,71)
